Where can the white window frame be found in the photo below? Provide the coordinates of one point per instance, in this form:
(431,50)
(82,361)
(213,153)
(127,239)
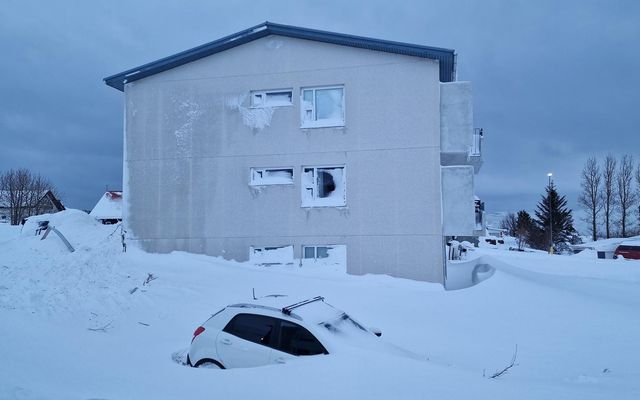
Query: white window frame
(323,123)
(315,250)
(253,171)
(313,187)
(264,94)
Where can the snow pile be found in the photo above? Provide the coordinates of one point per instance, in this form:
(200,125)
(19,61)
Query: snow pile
(43,276)
(574,322)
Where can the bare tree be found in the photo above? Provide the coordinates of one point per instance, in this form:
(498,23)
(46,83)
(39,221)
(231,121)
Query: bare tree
(608,192)
(509,224)
(590,199)
(625,195)
(22,193)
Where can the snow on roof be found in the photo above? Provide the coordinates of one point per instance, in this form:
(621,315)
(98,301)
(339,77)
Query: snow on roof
(109,206)
(604,244)
(635,242)
(5,194)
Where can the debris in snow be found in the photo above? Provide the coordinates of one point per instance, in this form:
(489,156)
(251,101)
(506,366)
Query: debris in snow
(150,278)
(101,329)
(503,371)
(142,323)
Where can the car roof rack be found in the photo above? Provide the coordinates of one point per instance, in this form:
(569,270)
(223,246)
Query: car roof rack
(287,310)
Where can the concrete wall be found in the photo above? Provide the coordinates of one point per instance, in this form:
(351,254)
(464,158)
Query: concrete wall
(456,127)
(191,138)
(458,200)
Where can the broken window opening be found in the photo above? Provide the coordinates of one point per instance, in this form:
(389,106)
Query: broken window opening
(271,98)
(271,255)
(271,176)
(323,187)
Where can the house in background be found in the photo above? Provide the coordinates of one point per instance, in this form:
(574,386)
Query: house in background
(281,144)
(108,210)
(32,203)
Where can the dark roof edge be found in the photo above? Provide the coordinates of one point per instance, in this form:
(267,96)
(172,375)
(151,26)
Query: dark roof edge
(446,57)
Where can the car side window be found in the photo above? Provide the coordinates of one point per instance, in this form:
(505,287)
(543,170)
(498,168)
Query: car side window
(254,328)
(298,341)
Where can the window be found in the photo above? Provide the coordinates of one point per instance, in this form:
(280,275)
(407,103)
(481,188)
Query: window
(325,255)
(315,252)
(271,98)
(271,176)
(298,341)
(322,107)
(254,328)
(271,255)
(323,187)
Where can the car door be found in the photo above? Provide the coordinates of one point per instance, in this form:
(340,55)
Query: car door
(294,340)
(246,341)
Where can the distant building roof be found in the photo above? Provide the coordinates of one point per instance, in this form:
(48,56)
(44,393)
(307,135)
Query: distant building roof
(109,206)
(604,244)
(57,204)
(445,57)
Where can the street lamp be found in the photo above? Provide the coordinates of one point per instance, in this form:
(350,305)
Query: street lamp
(550,218)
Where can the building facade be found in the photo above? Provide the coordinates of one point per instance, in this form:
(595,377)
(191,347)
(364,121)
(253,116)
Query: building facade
(282,144)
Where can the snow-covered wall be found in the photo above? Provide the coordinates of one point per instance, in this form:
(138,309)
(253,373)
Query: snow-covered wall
(458,200)
(192,138)
(456,123)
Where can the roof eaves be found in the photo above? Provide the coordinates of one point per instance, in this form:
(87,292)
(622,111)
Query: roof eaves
(118,81)
(446,57)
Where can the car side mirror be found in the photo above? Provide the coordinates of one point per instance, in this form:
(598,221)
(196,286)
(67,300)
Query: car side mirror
(376,331)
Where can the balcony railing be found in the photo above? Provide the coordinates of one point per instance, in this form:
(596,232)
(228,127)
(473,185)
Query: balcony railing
(475,150)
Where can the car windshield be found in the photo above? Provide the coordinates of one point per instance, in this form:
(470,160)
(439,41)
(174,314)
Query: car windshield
(342,322)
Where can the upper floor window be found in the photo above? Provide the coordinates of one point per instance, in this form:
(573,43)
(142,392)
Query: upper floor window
(271,98)
(322,107)
(271,176)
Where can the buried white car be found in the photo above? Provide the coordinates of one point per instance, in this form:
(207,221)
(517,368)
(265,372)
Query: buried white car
(271,331)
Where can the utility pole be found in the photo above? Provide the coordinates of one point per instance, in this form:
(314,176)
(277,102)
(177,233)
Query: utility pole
(550,217)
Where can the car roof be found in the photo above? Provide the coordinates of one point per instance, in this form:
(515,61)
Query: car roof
(311,310)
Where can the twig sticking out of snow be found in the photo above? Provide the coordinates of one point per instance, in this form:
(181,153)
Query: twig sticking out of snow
(503,371)
(101,329)
(150,277)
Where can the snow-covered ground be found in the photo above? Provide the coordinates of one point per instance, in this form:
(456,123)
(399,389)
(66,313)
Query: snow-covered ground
(73,327)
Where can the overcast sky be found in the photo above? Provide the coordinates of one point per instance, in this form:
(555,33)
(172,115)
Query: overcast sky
(554,81)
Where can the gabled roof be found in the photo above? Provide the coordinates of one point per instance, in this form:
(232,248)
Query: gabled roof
(29,195)
(109,206)
(446,57)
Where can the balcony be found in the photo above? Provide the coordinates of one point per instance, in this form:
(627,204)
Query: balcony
(460,143)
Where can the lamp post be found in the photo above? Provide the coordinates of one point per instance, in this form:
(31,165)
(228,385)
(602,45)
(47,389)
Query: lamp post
(550,218)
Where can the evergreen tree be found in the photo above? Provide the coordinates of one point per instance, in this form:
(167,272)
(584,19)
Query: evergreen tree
(553,207)
(525,229)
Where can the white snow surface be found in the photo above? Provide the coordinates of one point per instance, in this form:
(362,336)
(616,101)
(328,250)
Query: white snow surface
(575,322)
(108,207)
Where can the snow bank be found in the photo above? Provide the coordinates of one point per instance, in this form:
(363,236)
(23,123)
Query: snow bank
(42,277)
(574,320)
